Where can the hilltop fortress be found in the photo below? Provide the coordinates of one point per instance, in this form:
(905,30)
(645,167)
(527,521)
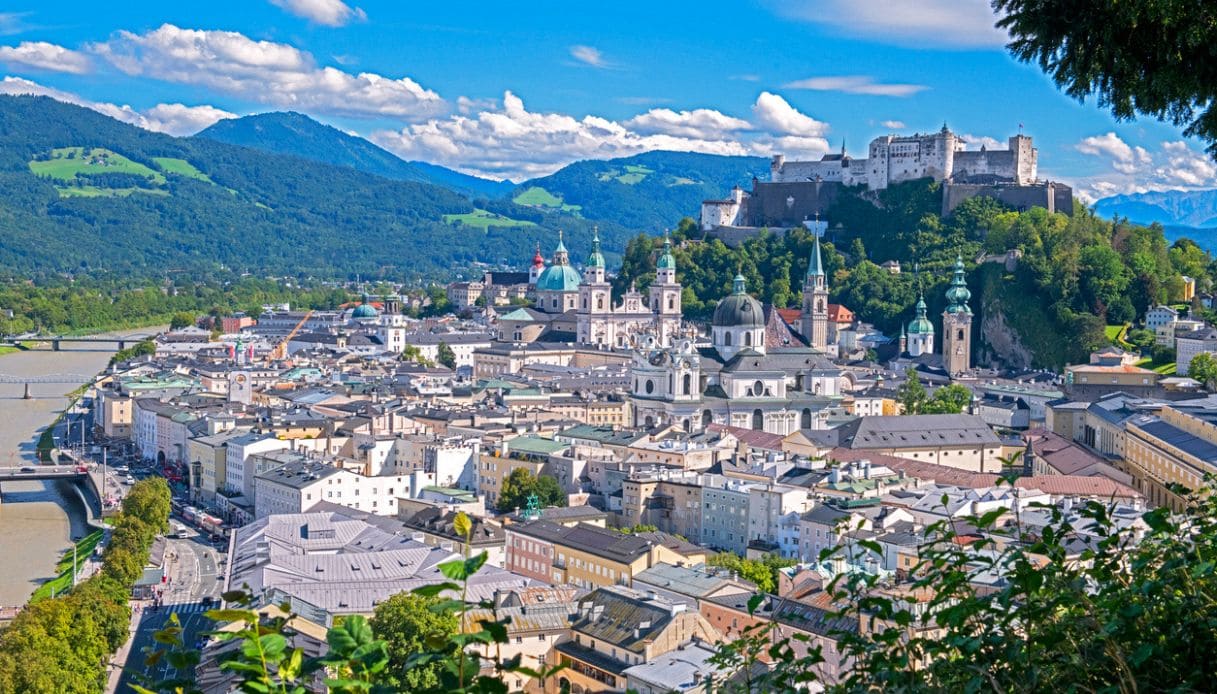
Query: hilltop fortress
(799,190)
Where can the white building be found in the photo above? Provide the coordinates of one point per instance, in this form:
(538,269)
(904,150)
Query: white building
(297,487)
(1188,345)
(239,469)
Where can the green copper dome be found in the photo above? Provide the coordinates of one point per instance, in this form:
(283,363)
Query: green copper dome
(596,259)
(559,277)
(365,310)
(921,325)
(958,293)
(739,310)
(666,260)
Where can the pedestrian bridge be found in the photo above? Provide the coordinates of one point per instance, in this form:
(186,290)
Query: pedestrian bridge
(90,479)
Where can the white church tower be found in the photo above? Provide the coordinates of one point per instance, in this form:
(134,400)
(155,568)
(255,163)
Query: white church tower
(665,296)
(815,301)
(595,300)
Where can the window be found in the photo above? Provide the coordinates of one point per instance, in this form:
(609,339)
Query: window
(727,338)
(748,338)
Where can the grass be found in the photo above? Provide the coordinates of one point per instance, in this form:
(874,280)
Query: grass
(21,347)
(536,196)
(63,581)
(95,192)
(1164,368)
(482,219)
(66,162)
(181,167)
(682,181)
(1115,334)
(633,175)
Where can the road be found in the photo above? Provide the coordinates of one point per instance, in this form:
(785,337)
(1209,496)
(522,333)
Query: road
(194,574)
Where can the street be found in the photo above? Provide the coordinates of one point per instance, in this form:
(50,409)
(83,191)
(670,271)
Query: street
(194,574)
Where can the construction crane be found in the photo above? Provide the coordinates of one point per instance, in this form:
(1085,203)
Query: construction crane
(280,350)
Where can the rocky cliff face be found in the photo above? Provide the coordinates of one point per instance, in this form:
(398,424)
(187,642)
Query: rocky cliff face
(1000,344)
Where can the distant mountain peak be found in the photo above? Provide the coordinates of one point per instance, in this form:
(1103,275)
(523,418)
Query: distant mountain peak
(291,132)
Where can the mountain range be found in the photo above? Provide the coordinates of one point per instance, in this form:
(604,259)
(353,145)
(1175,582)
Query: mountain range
(281,193)
(297,134)
(1190,213)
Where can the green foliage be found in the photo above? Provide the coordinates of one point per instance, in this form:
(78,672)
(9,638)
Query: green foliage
(183,319)
(143,348)
(1165,73)
(521,483)
(414,354)
(1203,368)
(62,644)
(646,191)
(245,211)
(911,394)
(762,572)
(637,528)
(1141,339)
(445,355)
(949,399)
(406,623)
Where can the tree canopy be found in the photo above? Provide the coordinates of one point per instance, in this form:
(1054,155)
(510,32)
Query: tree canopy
(1151,57)
(520,483)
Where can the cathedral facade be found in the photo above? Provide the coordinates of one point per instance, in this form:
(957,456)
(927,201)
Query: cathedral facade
(601,323)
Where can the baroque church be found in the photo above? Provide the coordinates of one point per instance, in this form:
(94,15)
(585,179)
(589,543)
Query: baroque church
(756,372)
(917,340)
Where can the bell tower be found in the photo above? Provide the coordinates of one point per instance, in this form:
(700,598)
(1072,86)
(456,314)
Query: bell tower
(595,300)
(815,300)
(957,324)
(665,295)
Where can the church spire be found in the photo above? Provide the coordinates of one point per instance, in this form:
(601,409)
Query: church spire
(596,259)
(815,268)
(958,294)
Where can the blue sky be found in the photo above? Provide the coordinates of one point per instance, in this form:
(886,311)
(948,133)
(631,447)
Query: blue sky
(519,89)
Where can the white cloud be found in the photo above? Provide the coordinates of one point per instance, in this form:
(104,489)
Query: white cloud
(589,56)
(331,13)
(264,71)
(893,124)
(701,123)
(919,23)
(1175,165)
(775,114)
(978,141)
(745,78)
(513,142)
(174,119)
(856,84)
(45,56)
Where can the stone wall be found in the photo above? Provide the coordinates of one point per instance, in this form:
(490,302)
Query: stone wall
(1052,196)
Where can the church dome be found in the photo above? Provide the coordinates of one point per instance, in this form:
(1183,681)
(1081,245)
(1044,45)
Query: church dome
(558,278)
(365,310)
(739,310)
(921,325)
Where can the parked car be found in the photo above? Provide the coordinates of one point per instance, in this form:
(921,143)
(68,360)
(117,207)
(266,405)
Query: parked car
(129,480)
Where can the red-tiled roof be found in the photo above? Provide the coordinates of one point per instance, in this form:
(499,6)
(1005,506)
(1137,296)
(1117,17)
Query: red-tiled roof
(1079,485)
(751,437)
(839,314)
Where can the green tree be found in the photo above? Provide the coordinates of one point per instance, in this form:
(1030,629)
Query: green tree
(521,483)
(182,319)
(445,355)
(1165,73)
(762,572)
(948,399)
(406,623)
(1203,368)
(1141,339)
(911,394)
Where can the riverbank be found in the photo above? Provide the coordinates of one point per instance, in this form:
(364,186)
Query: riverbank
(38,520)
(66,569)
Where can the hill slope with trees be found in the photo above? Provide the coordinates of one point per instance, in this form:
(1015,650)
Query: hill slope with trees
(298,135)
(195,204)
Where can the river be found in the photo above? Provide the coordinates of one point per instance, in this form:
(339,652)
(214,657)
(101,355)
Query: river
(37,519)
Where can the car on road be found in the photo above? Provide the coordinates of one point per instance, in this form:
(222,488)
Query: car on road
(129,480)
(28,469)
(208,601)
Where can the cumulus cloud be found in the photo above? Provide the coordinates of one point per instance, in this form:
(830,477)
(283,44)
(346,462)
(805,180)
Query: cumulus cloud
(701,123)
(978,141)
(918,23)
(264,71)
(331,13)
(174,119)
(589,56)
(513,142)
(41,55)
(893,124)
(856,84)
(1174,165)
(775,114)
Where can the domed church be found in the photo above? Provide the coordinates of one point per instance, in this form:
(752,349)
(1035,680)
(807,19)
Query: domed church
(755,374)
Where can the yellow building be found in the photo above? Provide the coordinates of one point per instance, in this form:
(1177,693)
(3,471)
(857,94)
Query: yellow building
(1173,447)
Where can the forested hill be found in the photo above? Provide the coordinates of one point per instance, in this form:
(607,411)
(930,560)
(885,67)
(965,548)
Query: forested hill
(81,192)
(647,191)
(297,134)
(1076,276)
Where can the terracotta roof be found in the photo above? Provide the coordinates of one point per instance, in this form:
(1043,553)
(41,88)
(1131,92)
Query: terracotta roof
(839,314)
(1051,484)
(1119,368)
(751,437)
